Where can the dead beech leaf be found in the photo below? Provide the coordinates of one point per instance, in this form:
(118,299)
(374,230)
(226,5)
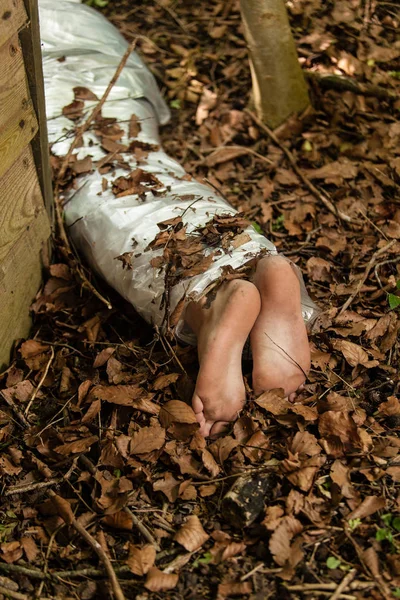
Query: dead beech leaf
(340,474)
(221,448)
(134,127)
(305,443)
(231,588)
(354,354)
(318,269)
(207,101)
(168,485)
(63,508)
(141,559)
(164,381)
(369,506)
(176,411)
(11,551)
(224,154)
(274,401)
(391,407)
(81,445)
(157,581)
(209,462)
(30,548)
(92,411)
(103,357)
(191,535)
(280,541)
(339,424)
(83,93)
(119,520)
(123,395)
(147,439)
(34,354)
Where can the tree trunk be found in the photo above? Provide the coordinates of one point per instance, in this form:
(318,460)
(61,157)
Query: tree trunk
(279,87)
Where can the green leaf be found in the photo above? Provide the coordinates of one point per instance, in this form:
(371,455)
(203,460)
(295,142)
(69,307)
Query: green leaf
(354,523)
(396,523)
(387,519)
(307,146)
(257,227)
(175,103)
(394,301)
(396,593)
(382,534)
(204,560)
(332,562)
(398,284)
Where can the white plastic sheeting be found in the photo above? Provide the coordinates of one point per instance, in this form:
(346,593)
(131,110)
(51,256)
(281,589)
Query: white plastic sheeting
(103,226)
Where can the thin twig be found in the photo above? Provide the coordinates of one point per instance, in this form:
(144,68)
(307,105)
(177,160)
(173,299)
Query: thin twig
(142,528)
(94,544)
(365,275)
(21,417)
(244,149)
(344,584)
(315,191)
(81,130)
(30,487)
(11,594)
(20,570)
(35,393)
(67,250)
(342,83)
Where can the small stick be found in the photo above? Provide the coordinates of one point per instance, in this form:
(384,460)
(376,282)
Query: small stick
(81,130)
(142,528)
(343,584)
(32,573)
(325,201)
(35,393)
(89,572)
(245,149)
(22,419)
(67,251)
(365,275)
(11,594)
(38,485)
(70,519)
(342,83)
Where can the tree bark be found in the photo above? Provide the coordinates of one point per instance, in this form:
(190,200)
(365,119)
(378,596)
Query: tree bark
(279,87)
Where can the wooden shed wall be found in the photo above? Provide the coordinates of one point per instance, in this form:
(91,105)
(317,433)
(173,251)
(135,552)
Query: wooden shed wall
(25,185)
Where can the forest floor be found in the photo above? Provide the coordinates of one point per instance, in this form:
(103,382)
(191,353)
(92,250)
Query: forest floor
(95,433)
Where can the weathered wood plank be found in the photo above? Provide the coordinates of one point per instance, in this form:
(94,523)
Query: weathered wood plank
(30,42)
(20,278)
(12,18)
(18,123)
(20,201)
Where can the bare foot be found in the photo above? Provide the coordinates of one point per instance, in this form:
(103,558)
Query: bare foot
(280,323)
(222,330)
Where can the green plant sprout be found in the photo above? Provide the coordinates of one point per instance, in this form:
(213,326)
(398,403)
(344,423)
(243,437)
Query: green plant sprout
(394,301)
(97,3)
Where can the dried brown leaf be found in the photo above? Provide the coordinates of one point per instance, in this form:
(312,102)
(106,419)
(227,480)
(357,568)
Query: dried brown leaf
(147,439)
(191,535)
(141,559)
(157,581)
(176,411)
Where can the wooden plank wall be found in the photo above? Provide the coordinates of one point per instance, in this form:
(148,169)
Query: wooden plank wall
(25,215)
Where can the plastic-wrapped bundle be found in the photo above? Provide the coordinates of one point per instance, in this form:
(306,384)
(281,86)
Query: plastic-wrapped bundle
(81,50)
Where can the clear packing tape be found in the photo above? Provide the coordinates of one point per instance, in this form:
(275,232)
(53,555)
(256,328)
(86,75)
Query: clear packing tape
(101,225)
